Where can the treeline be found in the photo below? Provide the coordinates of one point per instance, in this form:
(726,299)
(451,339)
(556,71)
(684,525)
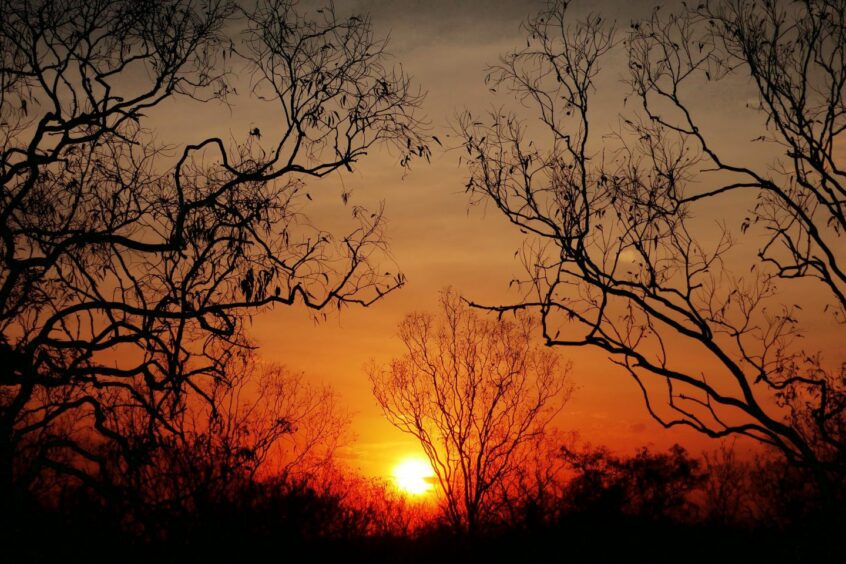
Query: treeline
(581,504)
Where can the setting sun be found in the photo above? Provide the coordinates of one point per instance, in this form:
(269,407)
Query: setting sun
(414,476)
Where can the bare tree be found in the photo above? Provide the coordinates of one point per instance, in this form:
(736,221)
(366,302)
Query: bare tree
(617,254)
(263,424)
(475,392)
(727,490)
(127,269)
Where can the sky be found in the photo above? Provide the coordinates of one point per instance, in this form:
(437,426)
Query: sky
(436,238)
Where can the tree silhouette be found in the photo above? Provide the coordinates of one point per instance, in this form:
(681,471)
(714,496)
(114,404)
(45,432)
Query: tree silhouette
(475,392)
(647,485)
(263,423)
(728,488)
(127,268)
(617,256)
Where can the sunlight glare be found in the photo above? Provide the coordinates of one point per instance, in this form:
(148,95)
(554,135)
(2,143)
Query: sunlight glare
(414,476)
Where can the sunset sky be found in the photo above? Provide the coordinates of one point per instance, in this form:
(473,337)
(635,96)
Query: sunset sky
(435,237)
(423,280)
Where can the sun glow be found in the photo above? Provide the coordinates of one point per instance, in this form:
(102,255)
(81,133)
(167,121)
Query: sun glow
(414,476)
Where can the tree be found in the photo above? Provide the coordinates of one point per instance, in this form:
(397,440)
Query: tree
(127,267)
(728,488)
(617,257)
(262,423)
(475,392)
(647,485)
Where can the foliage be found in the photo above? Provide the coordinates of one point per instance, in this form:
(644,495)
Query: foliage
(646,485)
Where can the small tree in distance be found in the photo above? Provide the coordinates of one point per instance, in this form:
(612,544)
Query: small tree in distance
(476,392)
(261,425)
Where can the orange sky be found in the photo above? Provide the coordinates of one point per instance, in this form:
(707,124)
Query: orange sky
(435,239)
